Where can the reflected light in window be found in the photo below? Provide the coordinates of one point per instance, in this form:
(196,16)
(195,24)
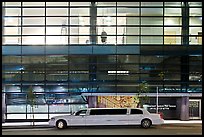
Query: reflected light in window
(169,22)
(8,19)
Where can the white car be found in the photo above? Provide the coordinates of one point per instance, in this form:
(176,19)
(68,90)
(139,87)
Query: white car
(107,116)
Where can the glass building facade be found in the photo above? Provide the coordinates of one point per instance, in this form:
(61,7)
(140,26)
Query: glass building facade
(71,52)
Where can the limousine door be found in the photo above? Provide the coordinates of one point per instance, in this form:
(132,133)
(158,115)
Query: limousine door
(135,116)
(79,118)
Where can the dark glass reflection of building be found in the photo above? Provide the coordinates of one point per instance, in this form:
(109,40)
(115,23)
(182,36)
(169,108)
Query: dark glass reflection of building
(56,48)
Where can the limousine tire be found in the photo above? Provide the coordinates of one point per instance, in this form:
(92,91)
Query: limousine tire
(61,124)
(146,123)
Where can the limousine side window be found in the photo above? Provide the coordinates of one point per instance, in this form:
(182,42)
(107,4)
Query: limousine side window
(108,112)
(136,111)
(81,113)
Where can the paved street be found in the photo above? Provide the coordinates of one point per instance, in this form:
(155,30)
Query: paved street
(166,129)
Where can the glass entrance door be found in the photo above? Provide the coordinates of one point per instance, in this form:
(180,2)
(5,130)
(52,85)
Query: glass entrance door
(194,109)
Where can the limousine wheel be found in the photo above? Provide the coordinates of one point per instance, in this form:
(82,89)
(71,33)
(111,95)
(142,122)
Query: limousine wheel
(61,124)
(146,123)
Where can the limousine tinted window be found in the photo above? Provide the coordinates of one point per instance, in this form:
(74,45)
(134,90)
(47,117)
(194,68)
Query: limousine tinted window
(81,112)
(136,111)
(108,111)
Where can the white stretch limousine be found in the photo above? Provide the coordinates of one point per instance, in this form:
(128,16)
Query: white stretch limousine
(107,116)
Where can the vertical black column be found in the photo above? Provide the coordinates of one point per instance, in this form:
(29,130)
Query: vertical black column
(185,24)
(93,40)
(185,42)
(93,19)
(184,101)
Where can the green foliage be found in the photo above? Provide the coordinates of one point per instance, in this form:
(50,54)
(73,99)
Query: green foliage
(31,100)
(31,96)
(142,89)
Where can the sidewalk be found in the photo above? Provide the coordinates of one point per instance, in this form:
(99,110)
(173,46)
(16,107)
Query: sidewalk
(46,125)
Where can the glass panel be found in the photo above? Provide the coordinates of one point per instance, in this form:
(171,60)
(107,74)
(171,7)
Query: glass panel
(56,21)
(33,31)
(12,31)
(151,40)
(32,77)
(11,88)
(33,59)
(195,31)
(57,59)
(11,40)
(196,4)
(172,21)
(50,40)
(151,3)
(33,40)
(152,30)
(59,108)
(108,30)
(79,21)
(34,21)
(110,40)
(172,12)
(33,11)
(79,12)
(57,4)
(195,11)
(12,12)
(128,20)
(196,21)
(12,3)
(57,77)
(128,30)
(58,67)
(79,39)
(12,21)
(106,3)
(128,11)
(151,11)
(107,21)
(16,99)
(57,12)
(16,109)
(176,4)
(80,4)
(172,30)
(33,3)
(11,59)
(57,30)
(106,11)
(80,30)
(79,77)
(16,116)
(154,21)
(127,3)
(172,39)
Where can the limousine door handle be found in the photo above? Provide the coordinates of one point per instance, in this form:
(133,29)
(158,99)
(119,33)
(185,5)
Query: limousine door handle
(108,120)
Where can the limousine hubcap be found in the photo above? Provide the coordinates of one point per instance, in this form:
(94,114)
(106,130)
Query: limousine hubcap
(146,123)
(60,124)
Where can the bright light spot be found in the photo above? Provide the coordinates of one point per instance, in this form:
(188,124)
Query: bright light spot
(9,19)
(169,22)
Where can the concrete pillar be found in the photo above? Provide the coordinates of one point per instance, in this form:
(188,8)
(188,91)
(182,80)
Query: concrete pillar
(92,101)
(184,115)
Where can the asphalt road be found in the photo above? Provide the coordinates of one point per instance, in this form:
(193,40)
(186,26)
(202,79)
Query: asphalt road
(167,129)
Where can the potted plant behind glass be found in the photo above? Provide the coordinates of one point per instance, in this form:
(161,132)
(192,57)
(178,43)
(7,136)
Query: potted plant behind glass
(141,98)
(31,98)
